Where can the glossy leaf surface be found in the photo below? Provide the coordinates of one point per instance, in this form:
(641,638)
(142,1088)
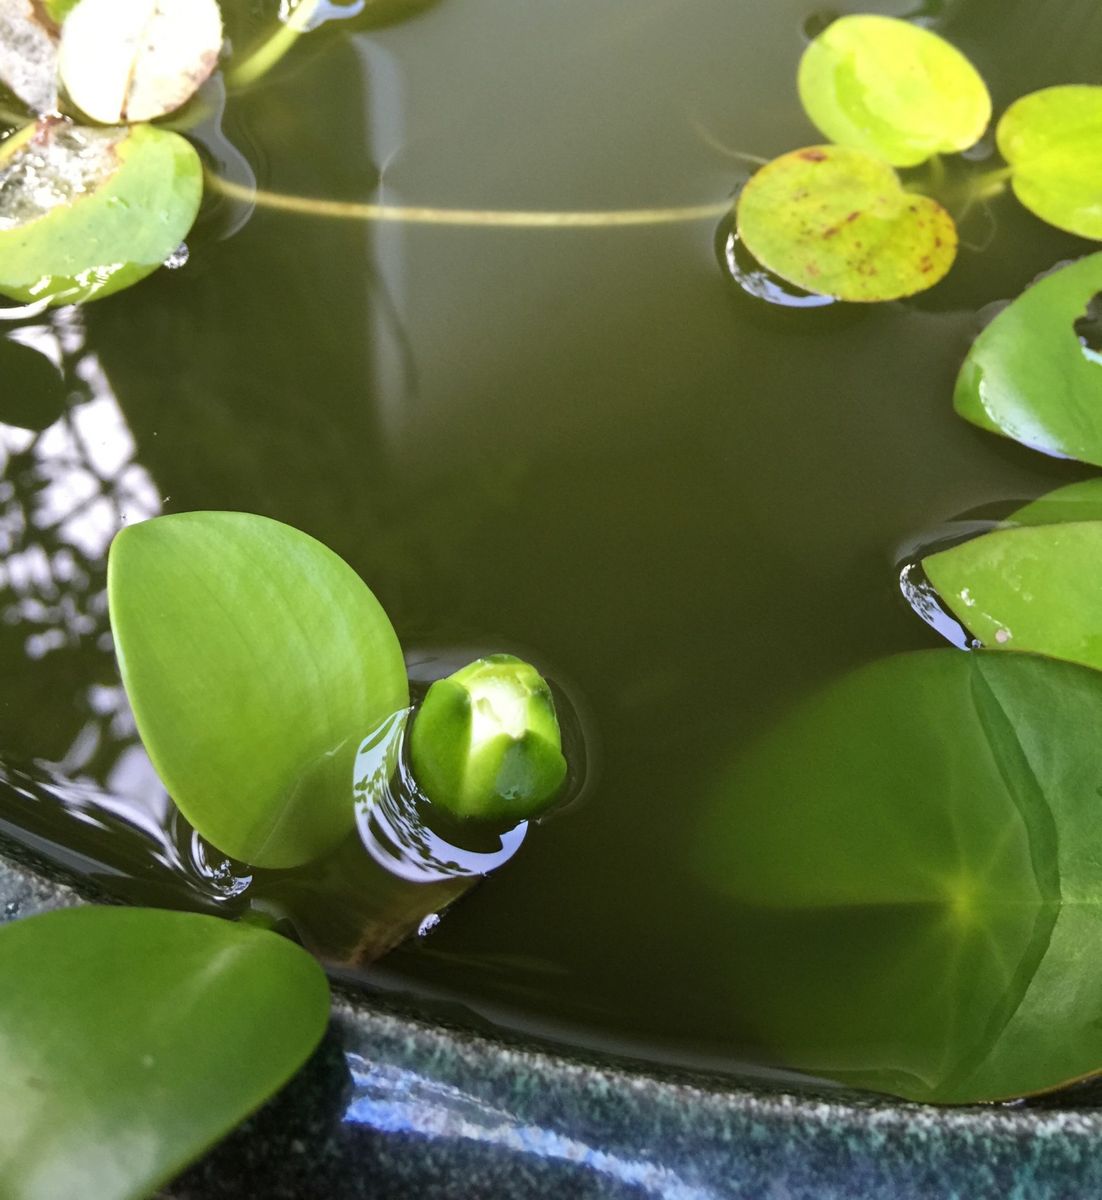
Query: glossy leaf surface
(1053,140)
(837,221)
(914,855)
(1035,588)
(255,660)
(892,89)
(1030,377)
(1080,501)
(85,212)
(132,1039)
(28,56)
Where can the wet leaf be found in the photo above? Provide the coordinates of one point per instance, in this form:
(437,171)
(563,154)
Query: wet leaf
(913,855)
(28,56)
(1053,140)
(256,662)
(132,1039)
(1029,376)
(1033,588)
(136,60)
(892,89)
(85,212)
(837,221)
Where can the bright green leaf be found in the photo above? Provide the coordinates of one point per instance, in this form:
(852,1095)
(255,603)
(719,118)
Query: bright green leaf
(837,221)
(1034,588)
(85,212)
(1028,375)
(256,661)
(58,10)
(131,1040)
(892,89)
(914,857)
(1053,140)
(1080,501)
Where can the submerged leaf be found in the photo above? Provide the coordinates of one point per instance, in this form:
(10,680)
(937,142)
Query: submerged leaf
(892,89)
(132,1039)
(85,212)
(914,854)
(1033,588)
(837,221)
(256,661)
(1029,376)
(28,56)
(136,60)
(1053,140)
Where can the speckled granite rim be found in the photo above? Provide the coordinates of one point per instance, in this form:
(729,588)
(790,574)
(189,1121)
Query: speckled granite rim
(391,1106)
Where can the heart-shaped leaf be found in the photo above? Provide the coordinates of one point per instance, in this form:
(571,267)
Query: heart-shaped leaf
(1033,588)
(1053,140)
(28,56)
(837,221)
(131,1040)
(256,661)
(85,212)
(136,60)
(914,855)
(1030,377)
(892,89)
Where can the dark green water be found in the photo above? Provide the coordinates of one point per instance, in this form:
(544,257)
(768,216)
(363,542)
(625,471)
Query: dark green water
(582,445)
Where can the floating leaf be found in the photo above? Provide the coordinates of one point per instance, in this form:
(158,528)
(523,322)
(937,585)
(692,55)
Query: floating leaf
(1053,140)
(131,1040)
(892,89)
(915,857)
(1034,588)
(256,661)
(1080,501)
(85,212)
(1028,375)
(136,60)
(837,221)
(28,56)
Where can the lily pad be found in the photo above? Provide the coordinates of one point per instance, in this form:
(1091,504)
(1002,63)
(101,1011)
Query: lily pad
(1033,588)
(136,60)
(85,212)
(1053,140)
(913,859)
(1029,376)
(1080,501)
(892,89)
(28,56)
(256,660)
(837,221)
(131,1040)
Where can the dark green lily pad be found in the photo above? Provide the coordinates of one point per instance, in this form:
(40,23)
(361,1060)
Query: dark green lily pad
(256,661)
(1053,140)
(837,221)
(1029,377)
(914,858)
(892,89)
(131,1040)
(85,212)
(1034,588)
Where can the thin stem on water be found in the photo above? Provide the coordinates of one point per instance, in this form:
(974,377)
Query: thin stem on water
(341,210)
(991,183)
(273,48)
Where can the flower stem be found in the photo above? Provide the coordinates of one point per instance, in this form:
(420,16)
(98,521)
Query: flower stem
(273,48)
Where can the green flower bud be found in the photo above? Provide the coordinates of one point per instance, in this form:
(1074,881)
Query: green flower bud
(486,744)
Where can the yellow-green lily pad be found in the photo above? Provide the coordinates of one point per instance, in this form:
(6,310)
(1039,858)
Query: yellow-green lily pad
(837,221)
(85,211)
(893,89)
(1053,140)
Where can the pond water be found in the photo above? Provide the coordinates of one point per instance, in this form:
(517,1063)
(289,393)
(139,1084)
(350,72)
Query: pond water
(687,505)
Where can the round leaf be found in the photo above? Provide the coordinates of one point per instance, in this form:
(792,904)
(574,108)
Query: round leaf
(914,857)
(256,661)
(893,89)
(836,221)
(1029,377)
(131,1040)
(85,212)
(1053,140)
(1034,588)
(136,60)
